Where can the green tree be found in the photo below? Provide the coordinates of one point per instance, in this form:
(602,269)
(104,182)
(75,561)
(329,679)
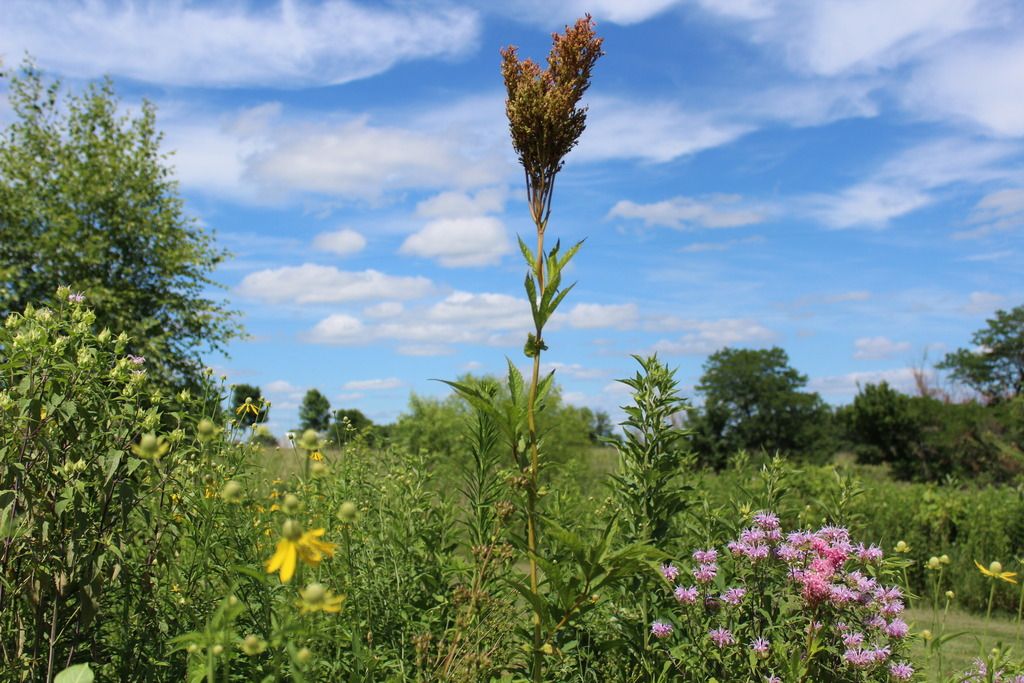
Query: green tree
(349,422)
(995,366)
(753,400)
(885,426)
(239,394)
(88,200)
(315,411)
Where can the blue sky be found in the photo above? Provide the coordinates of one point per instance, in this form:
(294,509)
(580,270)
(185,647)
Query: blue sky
(842,179)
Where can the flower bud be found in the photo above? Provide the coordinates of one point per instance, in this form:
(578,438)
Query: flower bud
(304,655)
(926,635)
(310,440)
(291,530)
(291,504)
(996,567)
(253,645)
(944,559)
(950,595)
(934,563)
(902,547)
(217,650)
(233,492)
(348,512)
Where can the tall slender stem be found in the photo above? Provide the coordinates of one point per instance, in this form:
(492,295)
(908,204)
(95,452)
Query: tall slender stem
(532,536)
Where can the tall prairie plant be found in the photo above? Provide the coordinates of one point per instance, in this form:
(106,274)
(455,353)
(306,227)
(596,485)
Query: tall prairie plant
(546,121)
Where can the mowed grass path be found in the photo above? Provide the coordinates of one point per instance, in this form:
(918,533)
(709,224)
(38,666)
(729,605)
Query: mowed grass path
(957,654)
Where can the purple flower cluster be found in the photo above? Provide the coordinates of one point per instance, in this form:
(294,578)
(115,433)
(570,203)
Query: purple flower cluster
(832,577)
(979,672)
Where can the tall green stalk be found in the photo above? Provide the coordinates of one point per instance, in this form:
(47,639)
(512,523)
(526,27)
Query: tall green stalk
(545,123)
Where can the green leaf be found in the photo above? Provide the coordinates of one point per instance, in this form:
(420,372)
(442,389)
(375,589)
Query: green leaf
(527,254)
(77,673)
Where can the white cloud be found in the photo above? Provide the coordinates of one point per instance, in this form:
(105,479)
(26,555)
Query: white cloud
(982,303)
(980,83)
(372,384)
(358,160)
(424,350)
(995,212)
(876,348)
(385,309)
(339,328)
(458,204)
(282,388)
(866,205)
(593,316)
(291,43)
(708,336)
(843,297)
(310,283)
(556,14)
(460,242)
(652,131)
(700,247)
(491,311)
(910,180)
(846,386)
(574,370)
(871,34)
(717,211)
(813,102)
(459,318)
(341,242)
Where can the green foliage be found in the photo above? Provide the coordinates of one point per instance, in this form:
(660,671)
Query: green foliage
(923,438)
(995,366)
(88,484)
(315,411)
(88,200)
(753,400)
(654,457)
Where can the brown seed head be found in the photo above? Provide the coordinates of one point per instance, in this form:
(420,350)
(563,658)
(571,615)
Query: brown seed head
(544,116)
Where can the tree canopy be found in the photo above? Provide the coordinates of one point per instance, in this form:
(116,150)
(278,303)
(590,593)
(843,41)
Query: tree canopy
(753,399)
(88,200)
(315,411)
(995,367)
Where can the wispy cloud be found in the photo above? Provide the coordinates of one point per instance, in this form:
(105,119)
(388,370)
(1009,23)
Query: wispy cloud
(287,44)
(707,336)
(382,384)
(716,211)
(344,242)
(311,283)
(876,348)
(911,180)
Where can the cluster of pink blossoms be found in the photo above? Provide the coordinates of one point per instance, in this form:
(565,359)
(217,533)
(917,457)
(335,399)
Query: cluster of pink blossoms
(980,673)
(827,570)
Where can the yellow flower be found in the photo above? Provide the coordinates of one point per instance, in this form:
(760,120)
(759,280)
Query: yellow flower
(995,571)
(902,547)
(248,407)
(316,598)
(296,545)
(316,456)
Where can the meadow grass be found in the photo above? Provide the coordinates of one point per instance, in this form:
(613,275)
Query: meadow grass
(979,637)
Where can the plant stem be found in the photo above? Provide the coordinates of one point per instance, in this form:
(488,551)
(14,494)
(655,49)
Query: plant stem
(532,536)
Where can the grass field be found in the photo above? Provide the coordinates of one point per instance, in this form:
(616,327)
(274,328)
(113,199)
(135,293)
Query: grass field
(978,637)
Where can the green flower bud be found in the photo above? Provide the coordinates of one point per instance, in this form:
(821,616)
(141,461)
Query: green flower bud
(348,512)
(291,504)
(310,440)
(233,492)
(291,530)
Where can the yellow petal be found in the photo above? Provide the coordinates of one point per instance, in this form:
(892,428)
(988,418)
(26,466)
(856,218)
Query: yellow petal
(274,563)
(288,566)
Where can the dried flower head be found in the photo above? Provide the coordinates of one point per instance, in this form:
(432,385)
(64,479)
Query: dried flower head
(544,116)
